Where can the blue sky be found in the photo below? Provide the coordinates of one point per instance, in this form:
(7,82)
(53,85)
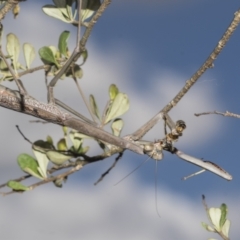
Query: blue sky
(149,49)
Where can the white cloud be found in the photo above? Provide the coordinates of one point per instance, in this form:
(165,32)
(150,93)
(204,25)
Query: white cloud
(103,212)
(126,211)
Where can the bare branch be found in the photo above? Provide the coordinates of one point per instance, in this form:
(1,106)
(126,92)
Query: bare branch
(51,179)
(107,172)
(91,24)
(226,114)
(12,100)
(190,82)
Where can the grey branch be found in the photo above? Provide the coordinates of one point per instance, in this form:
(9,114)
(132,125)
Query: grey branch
(226,114)
(28,105)
(190,82)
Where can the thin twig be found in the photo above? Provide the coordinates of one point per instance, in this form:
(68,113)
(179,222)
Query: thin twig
(226,114)
(25,138)
(18,82)
(107,172)
(190,82)
(31,70)
(51,179)
(91,24)
(84,99)
(51,113)
(16,180)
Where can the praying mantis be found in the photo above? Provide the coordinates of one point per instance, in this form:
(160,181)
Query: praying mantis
(155,149)
(22,102)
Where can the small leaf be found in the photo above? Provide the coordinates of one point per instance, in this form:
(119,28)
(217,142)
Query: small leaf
(84,150)
(39,149)
(226,227)
(93,106)
(62,145)
(84,55)
(42,162)
(42,145)
(50,140)
(62,43)
(76,72)
(3,66)
(76,140)
(47,55)
(117,126)
(113,91)
(65,130)
(88,8)
(29,53)
(119,106)
(223,215)
(29,165)
(82,136)
(60,3)
(69,9)
(207,227)
(13,48)
(57,157)
(52,11)
(17,186)
(215,215)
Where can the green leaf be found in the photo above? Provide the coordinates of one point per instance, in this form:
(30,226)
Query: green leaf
(29,53)
(215,215)
(57,157)
(119,106)
(62,43)
(50,140)
(59,13)
(47,55)
(117,126)
(84,150)
(88,8)
(3,66)
(207,227)
(69,9)
(43,146)
(29,165)
(17,186)
(78,72)
(113,91)
(82,136)
(13,48)
(60,3)
(223,215)
(39,149)
(62,145)
(76,140)
(42,162)
(84,55)
(65,130)
(93,106)
(226,227)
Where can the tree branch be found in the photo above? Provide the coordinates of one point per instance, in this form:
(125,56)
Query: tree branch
(190,82)
(226,114)
(12,100)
